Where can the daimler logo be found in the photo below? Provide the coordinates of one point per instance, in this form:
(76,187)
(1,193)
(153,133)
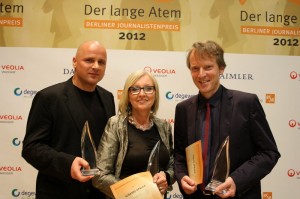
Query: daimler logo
(237,76)
(68,71)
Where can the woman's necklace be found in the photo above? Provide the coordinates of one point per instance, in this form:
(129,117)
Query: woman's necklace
(142,127)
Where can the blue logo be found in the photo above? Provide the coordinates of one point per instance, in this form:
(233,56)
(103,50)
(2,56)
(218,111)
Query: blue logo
(16,142)
(15,192)
(25,93)
(178,96)
(18,92)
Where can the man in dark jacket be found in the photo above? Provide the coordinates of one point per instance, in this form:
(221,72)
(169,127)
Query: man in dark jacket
(52,143)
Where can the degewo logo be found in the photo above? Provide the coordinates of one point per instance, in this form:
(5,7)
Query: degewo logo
(25,93)
(174,195)
(16,141)
(159,72)
(10,68)
(294,124)
(294,75)
(293,173)
(177,96)
(27,194)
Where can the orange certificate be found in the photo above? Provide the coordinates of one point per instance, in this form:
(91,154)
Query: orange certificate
(136,186)
(194,162)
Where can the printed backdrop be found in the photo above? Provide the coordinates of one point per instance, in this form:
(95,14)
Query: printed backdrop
(38,40)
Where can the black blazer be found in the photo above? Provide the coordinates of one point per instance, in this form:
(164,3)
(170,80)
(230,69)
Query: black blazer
(253,151)
(52,139)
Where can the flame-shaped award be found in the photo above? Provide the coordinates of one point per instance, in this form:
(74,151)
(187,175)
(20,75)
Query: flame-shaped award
(153,162)
(221,167)
(88,151)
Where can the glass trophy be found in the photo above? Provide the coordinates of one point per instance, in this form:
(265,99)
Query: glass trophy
(88,151)
(153,162)
(221,167)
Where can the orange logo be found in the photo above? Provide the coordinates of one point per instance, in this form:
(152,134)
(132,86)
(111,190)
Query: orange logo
(267,195)
(242,2)
(270,98)
(119,94)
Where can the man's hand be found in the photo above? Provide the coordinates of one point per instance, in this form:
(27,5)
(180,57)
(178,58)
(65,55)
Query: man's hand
(226,189)
(188,185)
(77,164)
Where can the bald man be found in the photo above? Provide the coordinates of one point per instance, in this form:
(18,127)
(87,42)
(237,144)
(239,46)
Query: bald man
(52,142)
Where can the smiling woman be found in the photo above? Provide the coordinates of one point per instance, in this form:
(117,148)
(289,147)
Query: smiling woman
(133,133)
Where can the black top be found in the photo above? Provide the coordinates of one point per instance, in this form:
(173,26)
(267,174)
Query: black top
(95,113)
(140,145)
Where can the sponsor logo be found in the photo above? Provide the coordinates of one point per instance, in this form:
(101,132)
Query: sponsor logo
(160,72)
(25,92)
(267,195)
(119,94)
(294,124)
(174,195)
(68,71)
(170,120)
(270,98)
(16,141)
(10,118)
(293,173)
(9,68)
(237,76)
(294,75)
(177,96)
(9,170)
(24,194)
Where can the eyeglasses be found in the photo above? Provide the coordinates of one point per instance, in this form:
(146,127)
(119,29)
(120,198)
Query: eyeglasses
(136,90)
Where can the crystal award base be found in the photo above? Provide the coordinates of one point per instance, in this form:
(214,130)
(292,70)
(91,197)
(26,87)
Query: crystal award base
(221,168)
(88,151)
(90,172)
(153,161)
(213,185)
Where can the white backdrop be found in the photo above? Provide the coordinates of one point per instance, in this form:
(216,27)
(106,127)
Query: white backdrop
(38,40)
(275,79)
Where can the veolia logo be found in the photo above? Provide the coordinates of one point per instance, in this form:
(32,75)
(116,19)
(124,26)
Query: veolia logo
(294,75)
(292,123)
(18,92)
(291,172)
(12,67)
(162,71)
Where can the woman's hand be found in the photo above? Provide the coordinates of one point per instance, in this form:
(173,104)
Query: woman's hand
(161,182)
